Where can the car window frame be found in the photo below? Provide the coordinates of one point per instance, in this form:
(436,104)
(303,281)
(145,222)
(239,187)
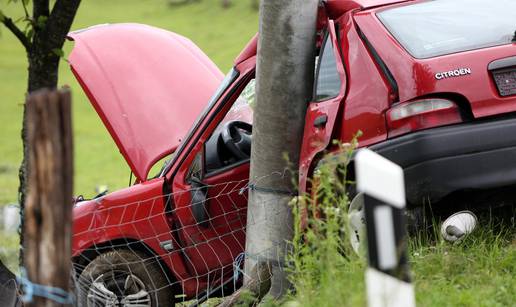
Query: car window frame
(250,76)
(327,37)
(225,84)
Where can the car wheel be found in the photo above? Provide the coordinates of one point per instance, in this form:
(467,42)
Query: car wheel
(357,227)
(124,278)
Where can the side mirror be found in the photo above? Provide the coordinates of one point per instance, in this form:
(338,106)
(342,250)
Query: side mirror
(196,170)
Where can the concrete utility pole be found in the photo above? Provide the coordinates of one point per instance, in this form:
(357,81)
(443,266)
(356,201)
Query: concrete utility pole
(284,82)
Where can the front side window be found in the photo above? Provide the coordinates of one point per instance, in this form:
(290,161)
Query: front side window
(327,83)
(440,27)
(230,142)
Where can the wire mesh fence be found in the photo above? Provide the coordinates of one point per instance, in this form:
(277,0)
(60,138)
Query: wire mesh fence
(185,246)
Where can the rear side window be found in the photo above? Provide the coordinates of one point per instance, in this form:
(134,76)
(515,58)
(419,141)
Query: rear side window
(327,78)
(440,27)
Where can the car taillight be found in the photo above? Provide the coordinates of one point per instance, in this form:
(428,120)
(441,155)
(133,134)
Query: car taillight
(421,114)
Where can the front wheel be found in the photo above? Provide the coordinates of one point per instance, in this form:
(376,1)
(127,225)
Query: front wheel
(124,278)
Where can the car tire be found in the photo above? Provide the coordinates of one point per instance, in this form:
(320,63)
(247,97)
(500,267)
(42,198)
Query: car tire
(124,276)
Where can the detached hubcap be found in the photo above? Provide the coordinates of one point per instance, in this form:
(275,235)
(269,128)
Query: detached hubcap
(118,290)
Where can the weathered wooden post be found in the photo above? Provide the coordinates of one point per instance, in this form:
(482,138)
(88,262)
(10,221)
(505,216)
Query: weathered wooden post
(48,206)
(388,279)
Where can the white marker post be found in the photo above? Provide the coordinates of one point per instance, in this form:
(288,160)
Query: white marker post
(388,275)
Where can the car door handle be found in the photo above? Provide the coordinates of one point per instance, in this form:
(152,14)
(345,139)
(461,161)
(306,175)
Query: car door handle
(321,120)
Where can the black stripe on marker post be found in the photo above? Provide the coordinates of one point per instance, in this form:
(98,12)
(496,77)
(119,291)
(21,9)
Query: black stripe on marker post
(386,238)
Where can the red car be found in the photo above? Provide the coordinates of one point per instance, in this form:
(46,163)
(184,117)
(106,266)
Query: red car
(431,85)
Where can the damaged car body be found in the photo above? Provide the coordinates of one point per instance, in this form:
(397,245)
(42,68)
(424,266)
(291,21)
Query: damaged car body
(442,105)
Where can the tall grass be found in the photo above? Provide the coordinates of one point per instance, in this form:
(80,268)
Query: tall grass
(477,271)
(325,271)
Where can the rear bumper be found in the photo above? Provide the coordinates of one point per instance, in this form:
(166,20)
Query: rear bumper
(437,162)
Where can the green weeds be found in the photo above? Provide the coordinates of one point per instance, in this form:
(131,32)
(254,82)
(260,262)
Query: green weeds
(477,271)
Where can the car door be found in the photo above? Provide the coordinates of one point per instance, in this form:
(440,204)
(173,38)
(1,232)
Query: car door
(210,201)
(322,113)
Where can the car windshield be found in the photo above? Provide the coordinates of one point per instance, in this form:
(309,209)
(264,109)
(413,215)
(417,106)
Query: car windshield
(439,27)
(230,77)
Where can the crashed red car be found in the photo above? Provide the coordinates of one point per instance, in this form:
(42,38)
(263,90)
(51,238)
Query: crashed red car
(430,84)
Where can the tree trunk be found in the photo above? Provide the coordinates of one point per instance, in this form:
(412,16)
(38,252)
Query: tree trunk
(285,73)
(43,70)
(43,57)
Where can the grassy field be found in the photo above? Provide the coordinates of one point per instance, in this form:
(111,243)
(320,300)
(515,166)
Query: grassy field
(478,272)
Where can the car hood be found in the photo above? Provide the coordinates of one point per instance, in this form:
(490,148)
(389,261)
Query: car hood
(148,86)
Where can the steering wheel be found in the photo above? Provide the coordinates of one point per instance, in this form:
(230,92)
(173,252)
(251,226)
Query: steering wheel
(236,136)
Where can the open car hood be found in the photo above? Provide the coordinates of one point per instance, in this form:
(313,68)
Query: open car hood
(148,86)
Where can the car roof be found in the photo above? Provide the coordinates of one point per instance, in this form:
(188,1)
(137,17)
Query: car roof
(362,4)
(337,8)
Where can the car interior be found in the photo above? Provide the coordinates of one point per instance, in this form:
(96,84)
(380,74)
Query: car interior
(230,143)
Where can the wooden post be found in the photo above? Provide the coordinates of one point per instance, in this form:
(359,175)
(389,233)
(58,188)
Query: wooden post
(48,206)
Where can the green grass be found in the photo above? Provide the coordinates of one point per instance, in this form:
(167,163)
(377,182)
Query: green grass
(9,251)
(325,270)
(478,271)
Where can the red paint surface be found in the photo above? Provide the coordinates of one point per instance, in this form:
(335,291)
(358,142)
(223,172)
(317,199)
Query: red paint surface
(148,86)
(148,95)
(213,249)
(337,8)
(317,139)
(136,213)
(416,77)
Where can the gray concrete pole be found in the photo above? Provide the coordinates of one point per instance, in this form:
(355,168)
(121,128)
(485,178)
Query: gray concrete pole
(284,82)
